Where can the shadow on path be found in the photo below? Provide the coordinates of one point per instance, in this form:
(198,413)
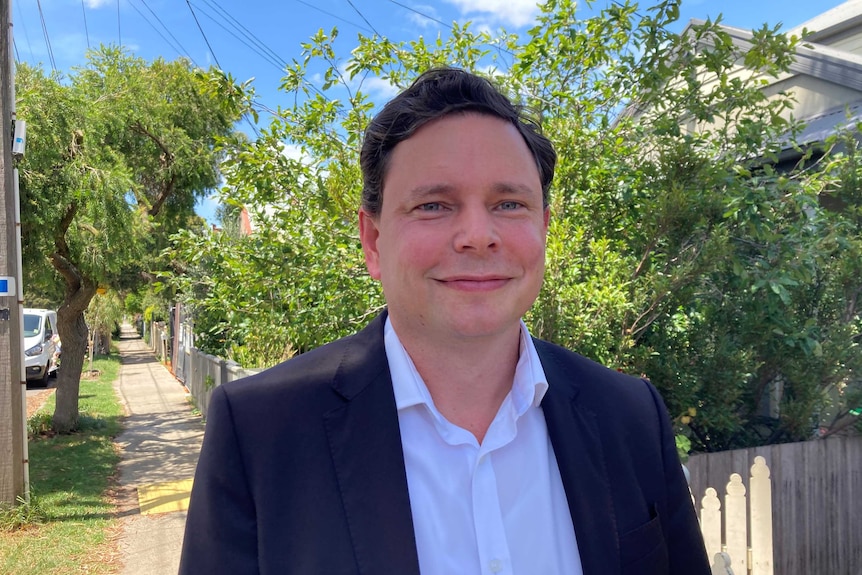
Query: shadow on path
(160,443)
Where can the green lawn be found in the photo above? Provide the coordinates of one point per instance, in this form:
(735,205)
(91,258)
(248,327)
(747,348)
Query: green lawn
(71,515)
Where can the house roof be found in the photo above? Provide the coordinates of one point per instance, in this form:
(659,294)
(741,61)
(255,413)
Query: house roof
(843,17)
(812,59)
(820,126)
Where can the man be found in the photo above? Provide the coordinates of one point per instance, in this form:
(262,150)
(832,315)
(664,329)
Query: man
(442,438)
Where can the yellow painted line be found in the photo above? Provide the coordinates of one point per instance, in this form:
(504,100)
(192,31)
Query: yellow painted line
(164,497)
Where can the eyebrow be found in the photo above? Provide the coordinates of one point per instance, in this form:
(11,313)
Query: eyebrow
(442,189)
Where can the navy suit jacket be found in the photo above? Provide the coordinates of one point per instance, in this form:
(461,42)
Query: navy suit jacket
(302,472)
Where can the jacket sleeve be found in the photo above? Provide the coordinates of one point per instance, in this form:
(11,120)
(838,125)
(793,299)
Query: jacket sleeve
(686,551)
(221,527)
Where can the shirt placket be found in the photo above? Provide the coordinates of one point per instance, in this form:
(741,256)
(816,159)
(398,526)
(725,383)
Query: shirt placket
(488,519)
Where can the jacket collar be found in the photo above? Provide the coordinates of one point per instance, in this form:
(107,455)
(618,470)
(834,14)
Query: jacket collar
(576,438)
(365,444)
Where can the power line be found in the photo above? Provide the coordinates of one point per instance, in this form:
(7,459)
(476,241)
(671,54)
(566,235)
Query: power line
(361,15)
(246,32)
(414,10)
(45,33)
(442,23)
(119,28)
(189,4)
(331,15)
(276,61)
(86,30)
(17,56)
(178,47)
(24,27)
(278,64)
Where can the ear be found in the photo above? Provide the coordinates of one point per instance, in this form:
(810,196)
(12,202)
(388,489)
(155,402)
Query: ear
(369,233)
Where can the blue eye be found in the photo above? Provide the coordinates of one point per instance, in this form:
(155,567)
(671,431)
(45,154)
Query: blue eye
(510,205)
(430,207)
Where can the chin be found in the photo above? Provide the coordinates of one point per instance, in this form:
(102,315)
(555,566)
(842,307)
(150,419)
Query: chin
(483,326)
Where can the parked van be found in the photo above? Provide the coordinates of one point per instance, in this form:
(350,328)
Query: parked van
(41,344)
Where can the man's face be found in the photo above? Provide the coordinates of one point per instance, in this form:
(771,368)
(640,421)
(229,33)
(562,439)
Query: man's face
(459,243)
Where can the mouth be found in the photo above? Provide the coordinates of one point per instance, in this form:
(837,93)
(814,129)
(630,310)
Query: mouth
(475,283)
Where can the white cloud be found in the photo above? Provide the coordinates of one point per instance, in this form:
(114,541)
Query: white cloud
(294,152)
(424,16)
(515,12)
(98,3)
(378,88)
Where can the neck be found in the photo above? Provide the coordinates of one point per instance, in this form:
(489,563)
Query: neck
(468,379)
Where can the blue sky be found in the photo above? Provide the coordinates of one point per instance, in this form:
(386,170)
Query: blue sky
(249,37)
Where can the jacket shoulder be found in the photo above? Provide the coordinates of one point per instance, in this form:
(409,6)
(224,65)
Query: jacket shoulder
(327,371)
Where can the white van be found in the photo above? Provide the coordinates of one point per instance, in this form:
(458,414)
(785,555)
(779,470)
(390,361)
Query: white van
(41,344)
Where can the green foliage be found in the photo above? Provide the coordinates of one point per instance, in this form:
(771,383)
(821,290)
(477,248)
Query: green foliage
(679,247)
(118,152)
(133,304)
(22,514)
(104,312)
(68,524)
(39,424)
(683,447)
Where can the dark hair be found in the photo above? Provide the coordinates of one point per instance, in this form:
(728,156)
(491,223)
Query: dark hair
(433,95)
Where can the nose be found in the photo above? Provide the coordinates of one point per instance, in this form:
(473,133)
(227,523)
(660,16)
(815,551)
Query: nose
(476,231)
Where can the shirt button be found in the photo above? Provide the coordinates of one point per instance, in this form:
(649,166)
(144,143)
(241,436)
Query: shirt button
(495,565)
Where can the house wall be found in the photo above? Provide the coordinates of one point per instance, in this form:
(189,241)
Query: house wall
(813,96)
(849,41)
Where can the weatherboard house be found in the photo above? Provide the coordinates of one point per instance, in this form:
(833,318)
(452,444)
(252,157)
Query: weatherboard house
(824,79)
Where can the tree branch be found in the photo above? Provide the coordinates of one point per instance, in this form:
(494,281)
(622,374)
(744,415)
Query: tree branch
(644,259)
(60,256)
(167,160)
(167,157)
(163,196)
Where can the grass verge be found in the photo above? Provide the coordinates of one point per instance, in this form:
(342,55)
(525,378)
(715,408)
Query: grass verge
(66,528)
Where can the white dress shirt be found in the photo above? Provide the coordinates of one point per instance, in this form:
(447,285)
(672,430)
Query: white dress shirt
(498,508)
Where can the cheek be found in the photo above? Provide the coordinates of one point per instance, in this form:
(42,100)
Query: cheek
(414,249)
(529,245)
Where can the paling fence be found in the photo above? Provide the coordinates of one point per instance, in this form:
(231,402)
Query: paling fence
(173,343)
(816,497)
(206,372)
(737,527)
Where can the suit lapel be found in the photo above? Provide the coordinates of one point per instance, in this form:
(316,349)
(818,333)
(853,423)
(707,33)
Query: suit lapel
(576,439)
(365,443)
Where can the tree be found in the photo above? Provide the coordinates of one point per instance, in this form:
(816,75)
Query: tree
(118,153)
(677,248)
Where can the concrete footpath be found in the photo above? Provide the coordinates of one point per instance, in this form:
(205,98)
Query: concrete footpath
(159,450)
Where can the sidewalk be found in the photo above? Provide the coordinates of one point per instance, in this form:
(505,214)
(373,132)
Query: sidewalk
(159,450)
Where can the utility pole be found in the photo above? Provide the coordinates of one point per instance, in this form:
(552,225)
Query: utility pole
(12,412)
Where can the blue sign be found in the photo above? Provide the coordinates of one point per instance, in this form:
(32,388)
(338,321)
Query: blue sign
(7,286)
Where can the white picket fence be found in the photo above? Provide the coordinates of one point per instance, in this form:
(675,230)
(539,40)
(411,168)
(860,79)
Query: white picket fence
(745,523)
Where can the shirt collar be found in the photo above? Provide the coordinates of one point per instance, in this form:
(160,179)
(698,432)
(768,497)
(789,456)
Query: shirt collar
(528,388)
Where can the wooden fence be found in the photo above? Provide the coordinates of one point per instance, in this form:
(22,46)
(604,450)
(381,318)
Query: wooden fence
(816,501)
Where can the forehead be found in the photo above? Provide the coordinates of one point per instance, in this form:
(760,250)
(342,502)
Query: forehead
(461,137)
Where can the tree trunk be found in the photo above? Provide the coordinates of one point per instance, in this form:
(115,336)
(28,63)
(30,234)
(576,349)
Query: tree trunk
(73,338)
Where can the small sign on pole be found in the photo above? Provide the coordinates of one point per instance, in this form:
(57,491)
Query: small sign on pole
(7,286)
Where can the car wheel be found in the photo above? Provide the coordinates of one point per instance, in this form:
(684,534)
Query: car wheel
(43,381)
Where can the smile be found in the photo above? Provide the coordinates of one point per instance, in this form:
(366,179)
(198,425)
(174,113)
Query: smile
(475,284)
